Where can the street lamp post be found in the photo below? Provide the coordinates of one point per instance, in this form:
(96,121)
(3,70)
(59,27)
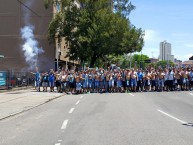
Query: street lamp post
(168,61)
(141,60)
(58,51)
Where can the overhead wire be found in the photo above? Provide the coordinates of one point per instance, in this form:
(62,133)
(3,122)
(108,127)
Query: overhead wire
(28,8)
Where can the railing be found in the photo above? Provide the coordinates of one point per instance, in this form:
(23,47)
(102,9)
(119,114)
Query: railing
(12,79)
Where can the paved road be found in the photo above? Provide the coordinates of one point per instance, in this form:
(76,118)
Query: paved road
(105,119)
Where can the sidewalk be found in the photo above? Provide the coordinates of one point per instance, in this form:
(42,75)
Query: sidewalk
(15,102)
(16,89)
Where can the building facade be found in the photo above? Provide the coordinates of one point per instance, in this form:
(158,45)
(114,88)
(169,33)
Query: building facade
(17,14)
(62,48)
(14,15)
(61,61)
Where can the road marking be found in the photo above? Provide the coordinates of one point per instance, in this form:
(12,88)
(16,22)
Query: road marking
(77,102)
(183,122)
(64,125)
(71,110)
(191,94)
(131,94)
(59,140)
(81,97)
(58,144)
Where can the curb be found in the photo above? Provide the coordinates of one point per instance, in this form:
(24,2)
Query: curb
(16,89)
(25,110)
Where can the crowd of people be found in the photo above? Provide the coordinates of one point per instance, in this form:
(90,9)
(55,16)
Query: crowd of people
(115,80)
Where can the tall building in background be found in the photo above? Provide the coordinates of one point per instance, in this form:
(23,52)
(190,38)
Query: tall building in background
(166,52)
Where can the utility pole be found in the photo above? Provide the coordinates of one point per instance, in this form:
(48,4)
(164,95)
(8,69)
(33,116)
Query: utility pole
(58,51)
(141,60)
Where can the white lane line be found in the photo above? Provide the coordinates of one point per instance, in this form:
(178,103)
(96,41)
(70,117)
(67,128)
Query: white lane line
(71,110)
(191,94)
(181,121)
(77,102)
(58,144)
(64,125)
(81,97)
(131,94)
(59,140)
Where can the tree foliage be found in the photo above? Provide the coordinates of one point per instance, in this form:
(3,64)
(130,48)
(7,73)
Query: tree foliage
(164,64)
(95,29)
(138,60)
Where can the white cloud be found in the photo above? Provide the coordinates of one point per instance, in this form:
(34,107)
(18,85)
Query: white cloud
(189,45)
(184,57)
(189,55)
(152,40)
(151,35)
(181,34)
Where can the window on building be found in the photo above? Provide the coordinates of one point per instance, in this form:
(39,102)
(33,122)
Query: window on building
(58,7)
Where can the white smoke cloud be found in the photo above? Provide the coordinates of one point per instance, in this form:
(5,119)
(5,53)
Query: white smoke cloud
(30,46)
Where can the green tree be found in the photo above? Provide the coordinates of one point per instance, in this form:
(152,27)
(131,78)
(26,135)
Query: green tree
(164,64)
(95,30)
(138,60)
(123,7)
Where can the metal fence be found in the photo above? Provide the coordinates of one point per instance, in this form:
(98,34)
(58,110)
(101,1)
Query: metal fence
(12,79)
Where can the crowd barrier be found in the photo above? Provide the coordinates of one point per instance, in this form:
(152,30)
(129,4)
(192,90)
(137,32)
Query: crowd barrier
(12,79)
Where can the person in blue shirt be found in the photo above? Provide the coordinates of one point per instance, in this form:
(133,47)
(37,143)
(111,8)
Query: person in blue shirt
(51,78)
(37,79)
(45,81)
(140,80)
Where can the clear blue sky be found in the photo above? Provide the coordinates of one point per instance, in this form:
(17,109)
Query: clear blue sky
(170,20)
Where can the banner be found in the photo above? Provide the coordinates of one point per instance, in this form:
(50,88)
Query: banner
(2,78)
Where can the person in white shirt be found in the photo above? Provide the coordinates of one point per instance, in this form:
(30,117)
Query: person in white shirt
(170,79)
